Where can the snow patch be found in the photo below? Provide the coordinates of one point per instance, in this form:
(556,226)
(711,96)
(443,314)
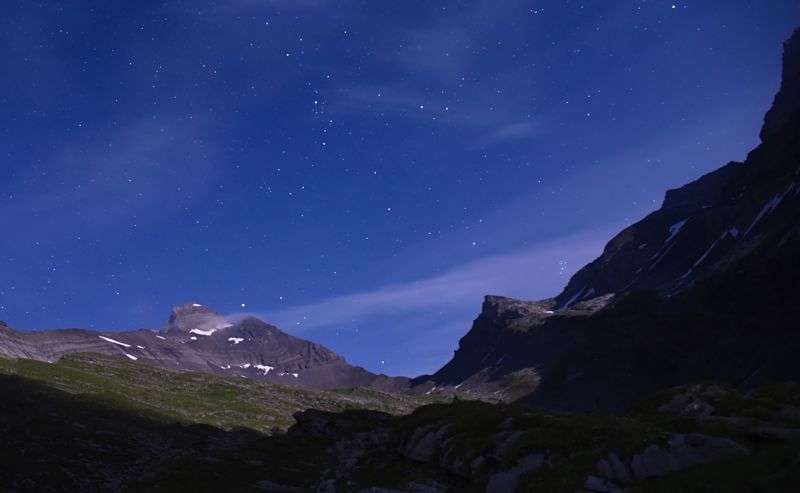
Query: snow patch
(642,246)
(226,367)
(589,293)
(767,209)
(734,231)
(193,338)
(161,337)
(675,229)
(572,300)
(703,257)
(209,331)
(196,304)
(295,375)
(235,340)
(266,369)
(140,347)
(112,341)
(662,256)
(134,358)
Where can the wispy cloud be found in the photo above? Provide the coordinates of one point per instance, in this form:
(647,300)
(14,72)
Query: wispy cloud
(234,5)
(513,131)
(101,179)
(533,272)
(437,63)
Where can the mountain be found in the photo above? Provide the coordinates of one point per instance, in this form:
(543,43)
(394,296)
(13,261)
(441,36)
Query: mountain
(706,287)
(199,339)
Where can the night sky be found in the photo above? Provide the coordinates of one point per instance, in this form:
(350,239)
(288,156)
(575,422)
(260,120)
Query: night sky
(359,173)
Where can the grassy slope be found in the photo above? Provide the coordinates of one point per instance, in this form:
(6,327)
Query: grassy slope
(189,397)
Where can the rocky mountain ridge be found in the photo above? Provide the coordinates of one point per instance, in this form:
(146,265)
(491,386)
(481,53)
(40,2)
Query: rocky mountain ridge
(197,338)
(704,287)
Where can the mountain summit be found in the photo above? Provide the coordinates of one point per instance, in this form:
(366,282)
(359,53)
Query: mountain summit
(195,318)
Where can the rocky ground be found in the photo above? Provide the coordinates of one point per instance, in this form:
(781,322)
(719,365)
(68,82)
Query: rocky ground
(94,423)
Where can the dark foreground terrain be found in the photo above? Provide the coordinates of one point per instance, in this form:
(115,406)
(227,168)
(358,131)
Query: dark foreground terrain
(65,427)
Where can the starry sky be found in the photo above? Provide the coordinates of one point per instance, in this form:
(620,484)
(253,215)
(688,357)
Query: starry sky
(359,173)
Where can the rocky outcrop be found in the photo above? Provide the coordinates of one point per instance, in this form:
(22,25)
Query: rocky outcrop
(476,446)
(679,452)
(478,361)
(786,106)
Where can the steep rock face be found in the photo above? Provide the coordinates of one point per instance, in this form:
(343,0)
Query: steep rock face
(786,106)
(484,346)
(703,288)
(198,338)
(194,316)
(705,225)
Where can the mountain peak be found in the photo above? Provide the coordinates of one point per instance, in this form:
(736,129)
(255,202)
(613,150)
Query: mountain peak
(189,309)
(786,106)
(193,315)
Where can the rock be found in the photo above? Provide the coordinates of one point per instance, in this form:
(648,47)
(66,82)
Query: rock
(380,490)
(599,485)
(612,467)
(683,450)
(507,424)
(787,102)
(347,452)
(653,462)
(423,445)
(477,465)
(454,460)
(267,485)
(776,433)
(506,440)
(503,482)
(508,480)
(434,487)
(327,486)
(530,462)
(694,401)
(694,448)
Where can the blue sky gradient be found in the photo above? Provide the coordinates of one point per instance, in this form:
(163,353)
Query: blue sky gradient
(359,173)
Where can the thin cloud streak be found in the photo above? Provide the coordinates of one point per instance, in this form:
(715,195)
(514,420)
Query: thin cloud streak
(120,178)
(534,271)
